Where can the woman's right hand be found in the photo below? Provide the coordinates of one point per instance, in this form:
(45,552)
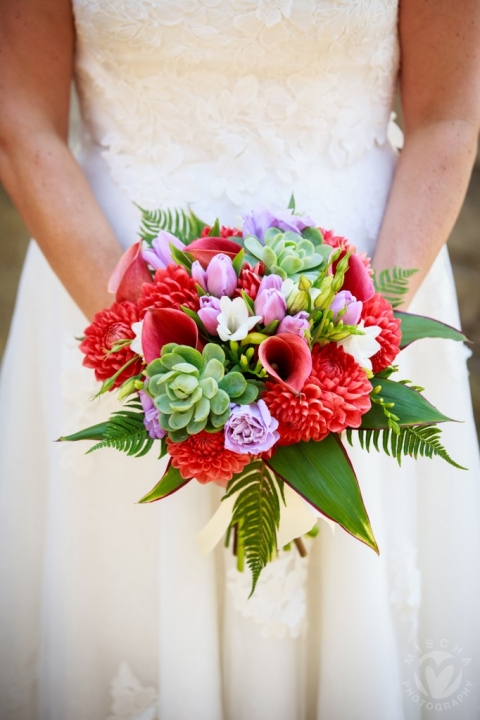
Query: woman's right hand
(38,171)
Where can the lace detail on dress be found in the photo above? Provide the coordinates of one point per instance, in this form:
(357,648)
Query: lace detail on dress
(279,603)
(130,699)
(167,86)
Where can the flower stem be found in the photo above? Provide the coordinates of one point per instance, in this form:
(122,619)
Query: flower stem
(300,547)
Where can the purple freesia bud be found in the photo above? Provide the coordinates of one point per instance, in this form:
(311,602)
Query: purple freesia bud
(251,429)
(221,278)
(345,299)
(209,312)
(259,221)
(297,324)
(269,282)
(160,255)
(151,417)
(199,275)
(271,305)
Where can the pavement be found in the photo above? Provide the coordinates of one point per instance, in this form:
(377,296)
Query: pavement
(464,247)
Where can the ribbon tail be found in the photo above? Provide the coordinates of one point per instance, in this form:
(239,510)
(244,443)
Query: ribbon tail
(217,526)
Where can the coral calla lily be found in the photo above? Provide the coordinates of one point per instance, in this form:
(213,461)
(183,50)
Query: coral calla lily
(163,326)
(205,249)
(129,275)
(287,358)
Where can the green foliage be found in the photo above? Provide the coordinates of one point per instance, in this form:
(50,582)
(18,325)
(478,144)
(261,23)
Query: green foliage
(185,226)
(170,483)
(256,514)
(413,441)
(393,284)
(125,431)
(418,327)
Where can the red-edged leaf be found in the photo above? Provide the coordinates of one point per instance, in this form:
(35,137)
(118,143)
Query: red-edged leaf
(204,249)
(287,358)
(170,483)
(129,275)
(162,326)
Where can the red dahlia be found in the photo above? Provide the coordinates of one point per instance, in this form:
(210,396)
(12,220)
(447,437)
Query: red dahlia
(171,287)
(225,232)
(249,279)
(302,416)
(108,327)
(204,457)
(377,311)
(339,375)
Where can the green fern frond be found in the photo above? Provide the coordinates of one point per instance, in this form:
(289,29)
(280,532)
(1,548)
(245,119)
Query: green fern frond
(415,441)
(256,514)
(126,432)
(186,227)
(393,284)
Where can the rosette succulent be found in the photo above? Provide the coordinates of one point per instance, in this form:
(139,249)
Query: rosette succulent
(192,391)
(289,254)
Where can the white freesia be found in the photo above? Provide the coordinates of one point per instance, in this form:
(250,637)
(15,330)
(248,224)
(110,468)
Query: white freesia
(287,287)
(234,322)
(136,344)
(363,347)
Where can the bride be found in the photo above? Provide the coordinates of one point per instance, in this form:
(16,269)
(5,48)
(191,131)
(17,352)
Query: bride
(108,609)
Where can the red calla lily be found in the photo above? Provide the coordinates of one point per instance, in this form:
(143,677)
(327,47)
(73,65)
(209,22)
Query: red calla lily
(357,279)
(204,249)
(129,275)
(162,326)
(287,358)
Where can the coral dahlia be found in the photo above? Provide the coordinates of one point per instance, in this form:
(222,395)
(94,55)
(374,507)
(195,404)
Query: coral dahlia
(171,287)
(249,280)
(204,457)
(337,373)
(302,416)
(108,327)
(225,232)
(377,311)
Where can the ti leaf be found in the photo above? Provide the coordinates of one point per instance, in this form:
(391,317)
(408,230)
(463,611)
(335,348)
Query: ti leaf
(322,473)
(409,406)
(256,514)
(413,441)
(170,483)
(417,327)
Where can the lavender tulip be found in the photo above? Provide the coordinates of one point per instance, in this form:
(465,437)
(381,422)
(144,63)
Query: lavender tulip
(199,275)
(160,255)
(151,421)
(209,312)
(259,221)
(345,299)
(297,324)
(269,282)
(251,429)
(221,278)
(271,305)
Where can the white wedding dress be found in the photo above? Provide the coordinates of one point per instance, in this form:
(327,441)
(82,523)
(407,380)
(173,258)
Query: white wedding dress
(108,609)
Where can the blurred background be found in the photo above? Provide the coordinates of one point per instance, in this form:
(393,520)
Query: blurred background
(464,247)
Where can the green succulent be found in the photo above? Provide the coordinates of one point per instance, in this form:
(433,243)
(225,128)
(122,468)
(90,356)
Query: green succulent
(289,254)
(191,390)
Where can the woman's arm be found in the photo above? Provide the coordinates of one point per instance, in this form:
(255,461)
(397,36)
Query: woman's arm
(36,166)
(440,91)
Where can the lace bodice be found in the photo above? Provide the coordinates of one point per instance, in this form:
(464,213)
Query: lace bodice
(250,89)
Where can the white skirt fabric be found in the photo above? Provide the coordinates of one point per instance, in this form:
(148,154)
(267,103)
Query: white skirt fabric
(109,610)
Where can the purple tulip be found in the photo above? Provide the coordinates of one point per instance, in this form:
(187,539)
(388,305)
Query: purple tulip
(209,312)
(271,305)
(345,299)
(297,324)
(259,221)
(199,275)
(251,429)
(160,255)
(269,282)
(221,278)
(151,417)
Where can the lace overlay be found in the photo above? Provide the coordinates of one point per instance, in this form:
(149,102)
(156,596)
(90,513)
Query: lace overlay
(169,86)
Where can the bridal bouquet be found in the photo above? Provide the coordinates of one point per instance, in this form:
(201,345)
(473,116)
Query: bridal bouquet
(247,354)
